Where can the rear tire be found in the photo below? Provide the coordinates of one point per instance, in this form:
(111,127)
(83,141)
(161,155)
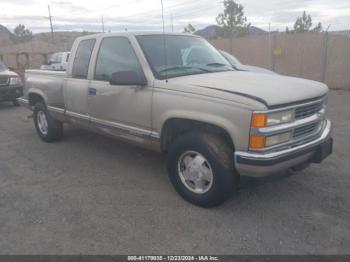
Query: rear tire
(48,129)
(201,168)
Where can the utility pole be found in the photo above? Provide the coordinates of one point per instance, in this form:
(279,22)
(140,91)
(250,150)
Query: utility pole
(50,18)
(103,24)
(324,61)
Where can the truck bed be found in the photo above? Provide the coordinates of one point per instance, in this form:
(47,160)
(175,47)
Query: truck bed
(46,82)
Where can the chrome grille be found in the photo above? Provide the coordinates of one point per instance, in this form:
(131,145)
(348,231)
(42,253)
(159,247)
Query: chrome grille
(309,110)
(4,81)
(309,122)
(305,131)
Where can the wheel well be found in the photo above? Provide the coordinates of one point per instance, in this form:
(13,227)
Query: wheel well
(174,128)
(35,98)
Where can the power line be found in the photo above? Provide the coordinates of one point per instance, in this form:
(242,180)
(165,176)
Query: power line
(105,8)
(155,12)
(191,12)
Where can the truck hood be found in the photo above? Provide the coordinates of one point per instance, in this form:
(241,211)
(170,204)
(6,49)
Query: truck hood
(270,89)
(254,69)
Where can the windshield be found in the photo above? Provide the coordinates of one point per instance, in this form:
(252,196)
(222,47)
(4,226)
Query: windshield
(233,60)
(184,55)
(2,67)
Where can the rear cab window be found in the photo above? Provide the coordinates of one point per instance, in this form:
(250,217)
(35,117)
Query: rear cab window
(82,59)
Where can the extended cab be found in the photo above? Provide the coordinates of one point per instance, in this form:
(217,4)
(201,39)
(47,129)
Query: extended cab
(177,94)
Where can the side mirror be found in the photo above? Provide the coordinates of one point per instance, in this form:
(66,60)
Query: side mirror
(128,78)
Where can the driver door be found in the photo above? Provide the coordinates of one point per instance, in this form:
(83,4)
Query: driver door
(121,110)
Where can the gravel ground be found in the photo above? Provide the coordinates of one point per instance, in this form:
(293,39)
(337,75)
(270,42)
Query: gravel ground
(93,195)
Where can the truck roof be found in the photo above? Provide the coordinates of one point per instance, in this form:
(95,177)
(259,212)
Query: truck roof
(133,34)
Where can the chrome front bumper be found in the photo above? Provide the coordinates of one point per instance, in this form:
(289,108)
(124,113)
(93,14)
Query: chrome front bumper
(248,163)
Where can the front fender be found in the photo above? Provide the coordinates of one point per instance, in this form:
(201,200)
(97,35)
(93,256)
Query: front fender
(38,92)
(235,122)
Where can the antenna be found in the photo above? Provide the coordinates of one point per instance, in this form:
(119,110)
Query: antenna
(103,24)
(164,40)
(270,45)
(161,1)
(172,22)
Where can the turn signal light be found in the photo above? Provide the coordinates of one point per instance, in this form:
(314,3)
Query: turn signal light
(257,142)
(259,120)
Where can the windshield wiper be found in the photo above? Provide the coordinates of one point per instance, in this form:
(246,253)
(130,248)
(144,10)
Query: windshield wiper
(217,64)
(183,67)
(222,65)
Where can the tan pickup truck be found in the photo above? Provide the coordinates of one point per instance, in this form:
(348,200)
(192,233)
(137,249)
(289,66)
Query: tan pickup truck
(177,94)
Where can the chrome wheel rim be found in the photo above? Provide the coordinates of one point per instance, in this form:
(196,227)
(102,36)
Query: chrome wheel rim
(195,172)
(42,122)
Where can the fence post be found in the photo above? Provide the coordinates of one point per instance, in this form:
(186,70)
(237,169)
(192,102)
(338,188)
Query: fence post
(324,57)
(273,46)
(231,44)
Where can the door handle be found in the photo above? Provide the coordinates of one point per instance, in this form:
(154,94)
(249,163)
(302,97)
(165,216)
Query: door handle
(92,91)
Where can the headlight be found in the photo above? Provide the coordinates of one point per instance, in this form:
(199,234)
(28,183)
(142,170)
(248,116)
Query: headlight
(260,141)
(264,120)
(280,118)
(278,139)
(15,81)
(261,120)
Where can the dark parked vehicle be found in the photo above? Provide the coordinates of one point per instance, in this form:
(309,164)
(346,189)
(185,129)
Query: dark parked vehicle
(11,86)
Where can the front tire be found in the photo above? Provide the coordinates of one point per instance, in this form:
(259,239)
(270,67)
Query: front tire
(201,168)
(15,102)
(48,129)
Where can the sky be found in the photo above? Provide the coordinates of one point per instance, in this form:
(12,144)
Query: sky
(145,15)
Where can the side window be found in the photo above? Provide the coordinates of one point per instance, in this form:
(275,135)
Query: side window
(53,58)
(59,58)
(82,59)
(116,54)
(56,58)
